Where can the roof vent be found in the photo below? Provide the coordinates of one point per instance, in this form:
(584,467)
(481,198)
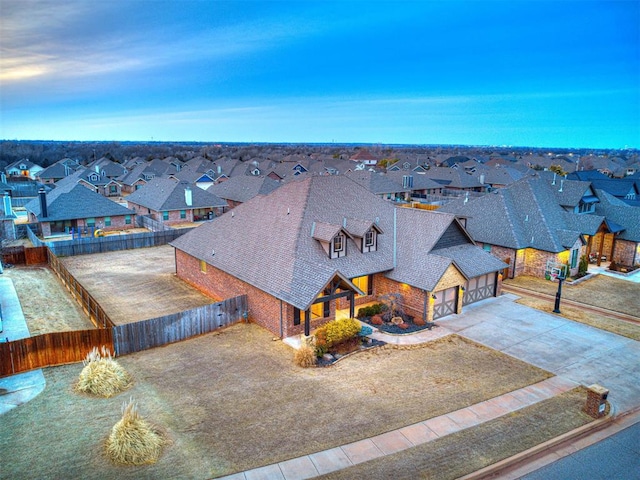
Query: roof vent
(554,179)
(561,185)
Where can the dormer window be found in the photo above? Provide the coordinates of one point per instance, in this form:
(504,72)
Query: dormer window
(338,243)
(369,238)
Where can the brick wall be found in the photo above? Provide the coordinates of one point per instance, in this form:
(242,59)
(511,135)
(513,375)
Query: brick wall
(264,309)
(625,251)
(507,255)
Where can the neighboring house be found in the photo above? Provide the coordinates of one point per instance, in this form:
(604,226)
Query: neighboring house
(59,170)
(325,243)
(364,157)
(456,179)
(75,206)
(23,168)
(535,224)
(171,202)
(419,185)
(625,189)
(625,246)
(7,217)
(139,174)
(381,185)
(243,188)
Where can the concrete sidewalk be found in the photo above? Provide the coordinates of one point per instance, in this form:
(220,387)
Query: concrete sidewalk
(16,389)
(345,456)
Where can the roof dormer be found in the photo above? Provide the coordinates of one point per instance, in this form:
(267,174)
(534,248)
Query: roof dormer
(364,233)
(332,238)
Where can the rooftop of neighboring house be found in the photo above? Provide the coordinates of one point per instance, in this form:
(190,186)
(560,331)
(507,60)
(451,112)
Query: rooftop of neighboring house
(25,162)
(376,183)
(164,194)
(73,201)
(526,214)
(60,169)
(454,178)
(420,181)
(620,213)
(243,188)
(363,155)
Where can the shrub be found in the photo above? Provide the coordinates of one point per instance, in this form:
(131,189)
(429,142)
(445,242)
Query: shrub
(133,441)
(341,330)
(583,266)
(102,375)
(403,326)
(419,322)
(371,310)
(321,341)
(305,356)
(376,320)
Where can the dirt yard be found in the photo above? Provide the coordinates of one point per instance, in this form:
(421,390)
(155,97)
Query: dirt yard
(133,285)
(47,305)
(234,400)
(600,291)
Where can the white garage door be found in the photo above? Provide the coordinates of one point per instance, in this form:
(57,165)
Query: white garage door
(479,288)
(445,302)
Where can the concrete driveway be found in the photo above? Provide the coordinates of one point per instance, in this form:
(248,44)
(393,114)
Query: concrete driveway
(575,351)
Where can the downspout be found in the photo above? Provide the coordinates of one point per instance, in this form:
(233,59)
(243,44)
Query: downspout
(395,233)
(424,310)
(281,326)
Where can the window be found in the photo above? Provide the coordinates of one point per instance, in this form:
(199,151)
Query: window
(299,316)
(183,214)
(368,238)
(113,189)
(203,266)
(574,258)
(338,243)
(107,221)
(165,215)
(364,283)
(486,247)
(91,222)
(127,219)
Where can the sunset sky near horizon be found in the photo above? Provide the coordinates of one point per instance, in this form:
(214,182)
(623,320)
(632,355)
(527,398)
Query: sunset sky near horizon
(536,73)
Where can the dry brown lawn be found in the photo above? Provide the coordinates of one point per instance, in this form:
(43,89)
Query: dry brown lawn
(470,450)
(600,291)
(47,305)
(234,400)
(134,285)
(613,325)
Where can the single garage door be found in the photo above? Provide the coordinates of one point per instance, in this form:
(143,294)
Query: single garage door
(445,302)
(479,288)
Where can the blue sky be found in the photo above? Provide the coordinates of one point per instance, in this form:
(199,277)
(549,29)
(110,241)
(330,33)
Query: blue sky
(562,73)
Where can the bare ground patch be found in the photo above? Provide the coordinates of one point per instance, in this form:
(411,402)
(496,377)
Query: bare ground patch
(133,285)
(600,291)
(234,400)
(47,305)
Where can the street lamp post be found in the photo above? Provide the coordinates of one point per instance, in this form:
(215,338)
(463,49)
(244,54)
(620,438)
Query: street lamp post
(561,279)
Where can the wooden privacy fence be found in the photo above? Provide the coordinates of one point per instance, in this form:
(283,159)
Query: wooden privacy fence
(91,307)
(49,349)
(21,255)
(155,332)
(109,243)
(69,347)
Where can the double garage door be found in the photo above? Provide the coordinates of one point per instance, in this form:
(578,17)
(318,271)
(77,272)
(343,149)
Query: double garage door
(479,288)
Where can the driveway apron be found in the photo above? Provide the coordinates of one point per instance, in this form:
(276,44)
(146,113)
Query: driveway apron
(575,351)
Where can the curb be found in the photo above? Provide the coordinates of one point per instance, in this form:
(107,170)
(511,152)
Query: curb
(491,470)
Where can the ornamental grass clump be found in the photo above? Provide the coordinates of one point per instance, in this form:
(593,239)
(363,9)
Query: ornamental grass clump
(305,356)
(102,375)
(133,441)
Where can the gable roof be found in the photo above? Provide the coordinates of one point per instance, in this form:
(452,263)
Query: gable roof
(376,183)
(268,241)
(163,194)
(525,214)
(73,201)
(621,214)
(243,188)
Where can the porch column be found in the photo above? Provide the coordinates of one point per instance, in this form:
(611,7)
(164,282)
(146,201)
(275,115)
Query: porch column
(307,321)
(351,305)
(613,246)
